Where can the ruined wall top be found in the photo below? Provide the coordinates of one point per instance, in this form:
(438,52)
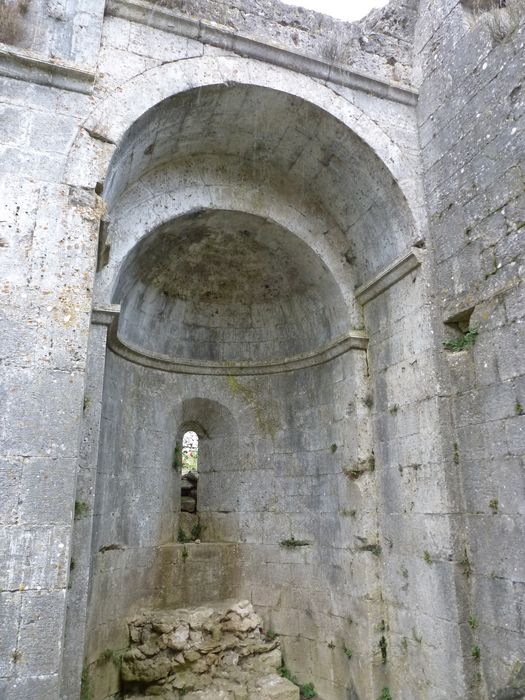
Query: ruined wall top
(380,44)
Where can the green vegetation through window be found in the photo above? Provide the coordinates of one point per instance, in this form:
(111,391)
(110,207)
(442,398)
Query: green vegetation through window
(190,452)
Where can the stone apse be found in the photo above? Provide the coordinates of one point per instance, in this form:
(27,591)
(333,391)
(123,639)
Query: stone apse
(247,239)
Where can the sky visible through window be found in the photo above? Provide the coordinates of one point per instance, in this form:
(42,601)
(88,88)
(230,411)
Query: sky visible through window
(349,10)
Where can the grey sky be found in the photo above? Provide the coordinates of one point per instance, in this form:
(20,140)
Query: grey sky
(344,9)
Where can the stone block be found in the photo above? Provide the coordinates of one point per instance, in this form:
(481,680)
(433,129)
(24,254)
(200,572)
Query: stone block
(115,32)
(515,433)
(13,124)
(187,521)
(35,557)
(45,687)
(11,471)
(188,504)
(42,613)
(150,42)
(10,603)
(47,491)
(51,132)
(273,687)
(41,413)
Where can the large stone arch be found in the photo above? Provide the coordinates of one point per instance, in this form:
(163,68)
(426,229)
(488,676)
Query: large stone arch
(88,162)
(305,420)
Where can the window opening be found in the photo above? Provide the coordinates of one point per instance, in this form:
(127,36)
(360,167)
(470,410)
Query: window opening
(189,469)
(190,452)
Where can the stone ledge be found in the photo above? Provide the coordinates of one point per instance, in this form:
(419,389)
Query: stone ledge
(144,12)
(105,315)
(21,64)
(339,346)
(389,276)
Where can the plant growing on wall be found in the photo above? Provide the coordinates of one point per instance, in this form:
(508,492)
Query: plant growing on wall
(465,341)
(348,652)
(360,467)
(306,691)
(292,542)
(81,509)
(195,534)
(383,648)
(86,691)
(501,17)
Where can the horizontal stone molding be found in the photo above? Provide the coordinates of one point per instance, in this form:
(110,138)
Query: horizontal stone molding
(167,20)
(351,341)
(105,315)
(21,64)
(389,276)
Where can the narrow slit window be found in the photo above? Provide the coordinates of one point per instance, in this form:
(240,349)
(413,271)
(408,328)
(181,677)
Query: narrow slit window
(190,452)
(190,475)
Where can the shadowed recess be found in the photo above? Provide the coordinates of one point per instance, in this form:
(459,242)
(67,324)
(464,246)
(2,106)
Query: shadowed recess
(226,285)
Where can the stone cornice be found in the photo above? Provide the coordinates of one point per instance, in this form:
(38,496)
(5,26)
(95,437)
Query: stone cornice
(162,18)
(389,275)
(21,64)
(339,346)
(105,315)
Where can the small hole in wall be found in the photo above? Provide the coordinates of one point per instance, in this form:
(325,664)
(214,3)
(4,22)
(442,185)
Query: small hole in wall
(104,248)
(460,322)
(460,334)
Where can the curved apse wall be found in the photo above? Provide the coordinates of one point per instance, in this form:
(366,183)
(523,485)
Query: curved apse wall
(203,271)
(224,286)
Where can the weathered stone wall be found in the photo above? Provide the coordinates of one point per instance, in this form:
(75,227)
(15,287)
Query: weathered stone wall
(53,29)
(417,585)
(48,248)
(379,45)
(413,566)
(471,115)
(37,145)
(298,168)
(283,473)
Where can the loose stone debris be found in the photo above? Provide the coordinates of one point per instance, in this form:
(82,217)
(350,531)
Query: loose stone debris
(204,653)
(188,487)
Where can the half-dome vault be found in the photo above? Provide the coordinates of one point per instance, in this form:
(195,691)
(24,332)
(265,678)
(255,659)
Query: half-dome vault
(226,285)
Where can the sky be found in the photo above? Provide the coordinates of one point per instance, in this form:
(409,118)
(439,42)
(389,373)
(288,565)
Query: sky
(343,9)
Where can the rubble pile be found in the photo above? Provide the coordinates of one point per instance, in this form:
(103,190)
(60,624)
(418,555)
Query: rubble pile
(205,653)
